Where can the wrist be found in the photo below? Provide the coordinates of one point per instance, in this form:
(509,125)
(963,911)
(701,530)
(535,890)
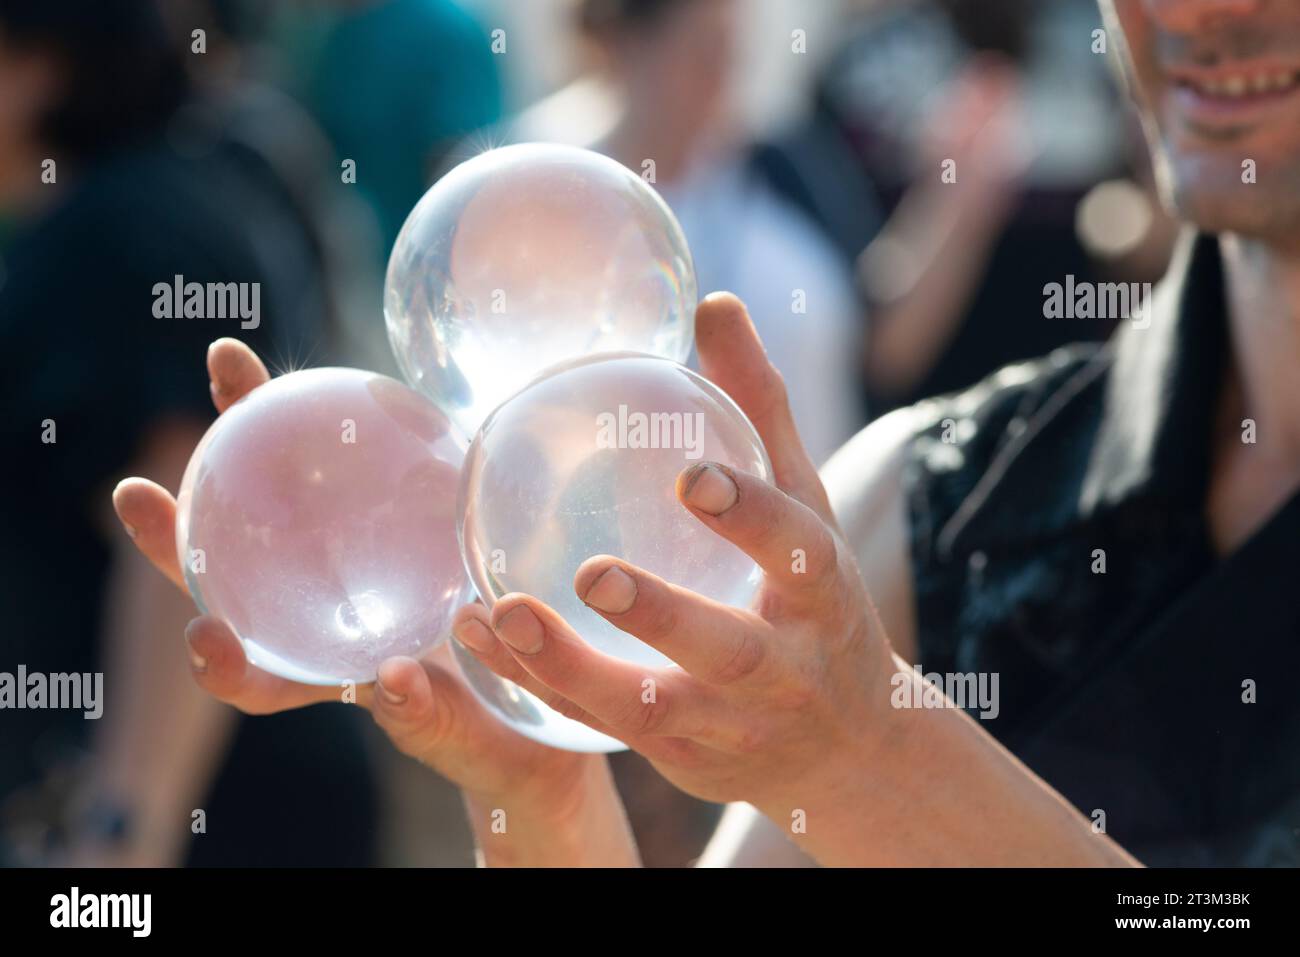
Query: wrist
(832,811)
(577,820)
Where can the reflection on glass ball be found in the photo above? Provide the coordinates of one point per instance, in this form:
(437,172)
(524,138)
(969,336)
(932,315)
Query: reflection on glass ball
(317,518)
(527,256)
(584,461)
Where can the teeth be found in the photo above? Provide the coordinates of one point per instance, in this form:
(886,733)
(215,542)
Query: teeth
(1242,85)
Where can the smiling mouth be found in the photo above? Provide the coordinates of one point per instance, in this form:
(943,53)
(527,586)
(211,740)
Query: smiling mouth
(1244,85)
(1232,100)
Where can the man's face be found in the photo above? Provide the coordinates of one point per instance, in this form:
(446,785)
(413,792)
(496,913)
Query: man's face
(1218,82)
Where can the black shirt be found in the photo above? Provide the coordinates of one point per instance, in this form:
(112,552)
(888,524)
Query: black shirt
(1060,540)
(80,346)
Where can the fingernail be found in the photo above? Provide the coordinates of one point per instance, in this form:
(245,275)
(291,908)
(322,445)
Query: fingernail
(710,489)
(613,592)
(389,696)
(215,390)
(197,661)
(521,630)
(474,634)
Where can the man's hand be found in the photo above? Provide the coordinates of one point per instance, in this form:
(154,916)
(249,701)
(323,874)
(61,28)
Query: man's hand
(768,704)
(561,806)
(789,705)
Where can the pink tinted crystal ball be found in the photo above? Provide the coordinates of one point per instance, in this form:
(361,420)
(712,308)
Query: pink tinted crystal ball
(317,517)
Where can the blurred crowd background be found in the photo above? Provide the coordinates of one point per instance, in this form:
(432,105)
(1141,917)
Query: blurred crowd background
(800,142)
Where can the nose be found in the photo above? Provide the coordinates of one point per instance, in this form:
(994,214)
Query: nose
(1189,15)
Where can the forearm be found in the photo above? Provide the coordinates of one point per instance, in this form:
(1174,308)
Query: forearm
(924,269)
(161,738)
(934,789)
(585,827)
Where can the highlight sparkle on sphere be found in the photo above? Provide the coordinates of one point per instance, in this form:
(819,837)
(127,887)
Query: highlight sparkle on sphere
(582,462)
(317,517)
(527,256)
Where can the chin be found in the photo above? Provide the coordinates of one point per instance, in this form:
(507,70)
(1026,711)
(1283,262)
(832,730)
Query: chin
(1213,198)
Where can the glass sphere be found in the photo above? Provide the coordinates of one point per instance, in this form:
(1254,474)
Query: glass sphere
(317,517)
(584,461)
(526,256)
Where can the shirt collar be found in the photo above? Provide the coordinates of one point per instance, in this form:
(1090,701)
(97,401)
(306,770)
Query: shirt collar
(1163,389)
(1130,425)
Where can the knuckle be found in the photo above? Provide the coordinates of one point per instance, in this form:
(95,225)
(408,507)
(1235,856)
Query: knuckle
(815,544)
(408,742)
(824,555)
(407,726)
(765,515)
(645,717)
(800,690)
(564,707)
(561,672)
(660,617)
(750,739)
(742,662)
(775,388)
(418,740)
(682,753)
(824,574)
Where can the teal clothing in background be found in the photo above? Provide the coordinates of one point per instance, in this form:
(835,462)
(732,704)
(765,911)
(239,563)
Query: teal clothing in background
(394,85)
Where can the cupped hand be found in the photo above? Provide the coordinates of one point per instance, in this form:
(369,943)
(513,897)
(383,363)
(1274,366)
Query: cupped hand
(779,705)
(423,706)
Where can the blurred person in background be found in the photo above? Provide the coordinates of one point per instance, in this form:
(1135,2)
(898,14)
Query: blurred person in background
(1011,95)
(658,98)
(151,175)
(242,74)
(395,84)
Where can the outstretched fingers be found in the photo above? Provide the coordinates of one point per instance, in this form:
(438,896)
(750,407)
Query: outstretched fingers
(715,643)
(792,545)
(148,513)
(222,669)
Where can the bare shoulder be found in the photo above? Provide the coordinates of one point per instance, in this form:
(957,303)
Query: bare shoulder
(936,452)
(865,483)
